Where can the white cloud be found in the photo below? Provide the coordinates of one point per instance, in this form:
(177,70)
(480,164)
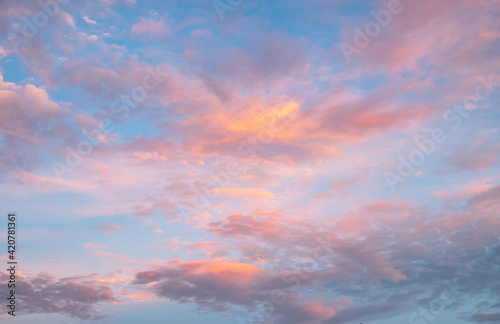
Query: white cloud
(89,21)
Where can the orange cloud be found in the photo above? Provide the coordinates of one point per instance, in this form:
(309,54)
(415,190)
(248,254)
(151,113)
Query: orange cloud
(247,193)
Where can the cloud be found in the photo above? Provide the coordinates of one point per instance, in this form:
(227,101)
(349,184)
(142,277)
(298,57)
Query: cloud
(246,193)
(106,257)
(78,297)
(223,284)
(152,27)
(89,21)
(354,251)
(108,227)
(29,120)
(485,318)
(90,245)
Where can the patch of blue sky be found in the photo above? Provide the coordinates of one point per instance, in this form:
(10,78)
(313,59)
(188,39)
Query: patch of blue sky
(14,70)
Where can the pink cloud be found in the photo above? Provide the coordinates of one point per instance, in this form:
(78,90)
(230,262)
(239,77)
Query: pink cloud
(153,27)
(221,283)
(108,227)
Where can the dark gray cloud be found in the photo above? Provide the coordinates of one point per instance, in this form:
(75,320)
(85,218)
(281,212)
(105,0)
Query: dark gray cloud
(78,297)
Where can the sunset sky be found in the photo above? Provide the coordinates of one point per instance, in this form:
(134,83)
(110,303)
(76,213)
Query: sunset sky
(244,162)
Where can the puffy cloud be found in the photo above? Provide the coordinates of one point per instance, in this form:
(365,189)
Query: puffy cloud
(79,297)
(223,284)
(153,27)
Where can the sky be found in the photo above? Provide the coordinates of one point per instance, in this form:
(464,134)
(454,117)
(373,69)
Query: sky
(242,161)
